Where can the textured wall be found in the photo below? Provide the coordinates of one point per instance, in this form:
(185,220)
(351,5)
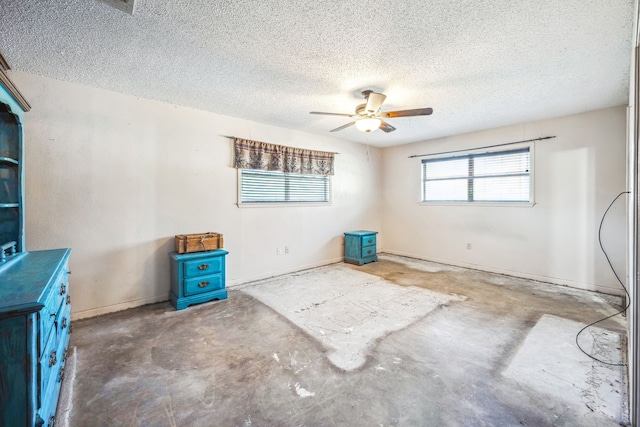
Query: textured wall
(116,177)
(577,174)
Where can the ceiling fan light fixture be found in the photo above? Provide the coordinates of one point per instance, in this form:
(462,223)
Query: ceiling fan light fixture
(368,116)
(368,124)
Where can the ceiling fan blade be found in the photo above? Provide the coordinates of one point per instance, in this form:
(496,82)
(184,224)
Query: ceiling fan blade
(407,113)
(374,102)
(332,114)
(343,127)
(386,127)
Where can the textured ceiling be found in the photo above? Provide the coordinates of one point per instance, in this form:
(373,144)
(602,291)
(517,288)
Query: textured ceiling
(478,64)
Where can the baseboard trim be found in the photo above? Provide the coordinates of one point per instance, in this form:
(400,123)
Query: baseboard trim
(98,311)
(539,278)
(244,281)
(238,283)
(231,284)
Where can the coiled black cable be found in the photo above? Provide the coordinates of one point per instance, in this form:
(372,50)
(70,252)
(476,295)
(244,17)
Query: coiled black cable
(619,281)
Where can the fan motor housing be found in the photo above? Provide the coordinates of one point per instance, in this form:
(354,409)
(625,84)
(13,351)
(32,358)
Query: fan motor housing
(361,110)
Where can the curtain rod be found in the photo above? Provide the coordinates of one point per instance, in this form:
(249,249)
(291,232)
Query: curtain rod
(237,137)
(481,148)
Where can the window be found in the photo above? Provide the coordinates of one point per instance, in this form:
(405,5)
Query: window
(275,174)
(501,176)
(258,186)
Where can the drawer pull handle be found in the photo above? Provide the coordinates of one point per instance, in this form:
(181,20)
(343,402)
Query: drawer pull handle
(52,358)
(369,251)
(68,298)
(64,322)
(203,266)
(369,241)
(203,284)
(61,376)
(63,289)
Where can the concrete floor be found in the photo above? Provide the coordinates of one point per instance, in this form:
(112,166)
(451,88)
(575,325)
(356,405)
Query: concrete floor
(398,342)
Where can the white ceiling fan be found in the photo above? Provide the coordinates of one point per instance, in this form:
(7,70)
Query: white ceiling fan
(369,117)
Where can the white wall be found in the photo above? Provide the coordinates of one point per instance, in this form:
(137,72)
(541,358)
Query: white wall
(577,174)
(115,177)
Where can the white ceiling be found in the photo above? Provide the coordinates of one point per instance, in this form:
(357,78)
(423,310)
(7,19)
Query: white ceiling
(478,64)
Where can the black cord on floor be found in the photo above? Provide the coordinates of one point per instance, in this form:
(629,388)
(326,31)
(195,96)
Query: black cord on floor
(619,281)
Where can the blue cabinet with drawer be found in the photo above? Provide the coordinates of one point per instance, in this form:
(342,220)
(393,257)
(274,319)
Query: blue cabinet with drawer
(35,307)
(197,277)
(360,247)
(35,322)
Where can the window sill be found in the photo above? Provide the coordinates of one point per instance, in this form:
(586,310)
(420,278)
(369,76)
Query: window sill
(486,204)
(282,204)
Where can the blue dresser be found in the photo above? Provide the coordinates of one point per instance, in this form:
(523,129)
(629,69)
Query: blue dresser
(360,247)
(35,322)
(197,277)
(35,307)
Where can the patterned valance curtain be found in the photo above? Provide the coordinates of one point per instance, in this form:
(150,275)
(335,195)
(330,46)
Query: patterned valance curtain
(269,157)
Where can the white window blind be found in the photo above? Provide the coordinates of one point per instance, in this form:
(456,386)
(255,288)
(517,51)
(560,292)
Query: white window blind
(502,176)
(258,186)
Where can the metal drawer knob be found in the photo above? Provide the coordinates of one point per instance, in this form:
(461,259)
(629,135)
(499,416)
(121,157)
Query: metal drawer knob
(68,298)
(64,322)
(203,284)
(61,376)
(369,251)
(52,358)
(203,266)
(369,241)
(63,289)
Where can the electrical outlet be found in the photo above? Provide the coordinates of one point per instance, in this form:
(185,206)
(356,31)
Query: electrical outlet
(278,251)
(468,246)
(286,249)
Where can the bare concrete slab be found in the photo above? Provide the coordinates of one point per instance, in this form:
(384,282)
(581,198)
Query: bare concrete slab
(397,342)
(550,362)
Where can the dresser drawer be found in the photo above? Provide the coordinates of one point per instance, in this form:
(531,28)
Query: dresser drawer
(202,284)
(368,251)
(55,301)
(48,364)
(369,240)
(47,318)
(53,352)
(203,266)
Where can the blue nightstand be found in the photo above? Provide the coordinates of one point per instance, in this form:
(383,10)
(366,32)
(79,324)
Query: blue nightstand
(360,247)
(197,277)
